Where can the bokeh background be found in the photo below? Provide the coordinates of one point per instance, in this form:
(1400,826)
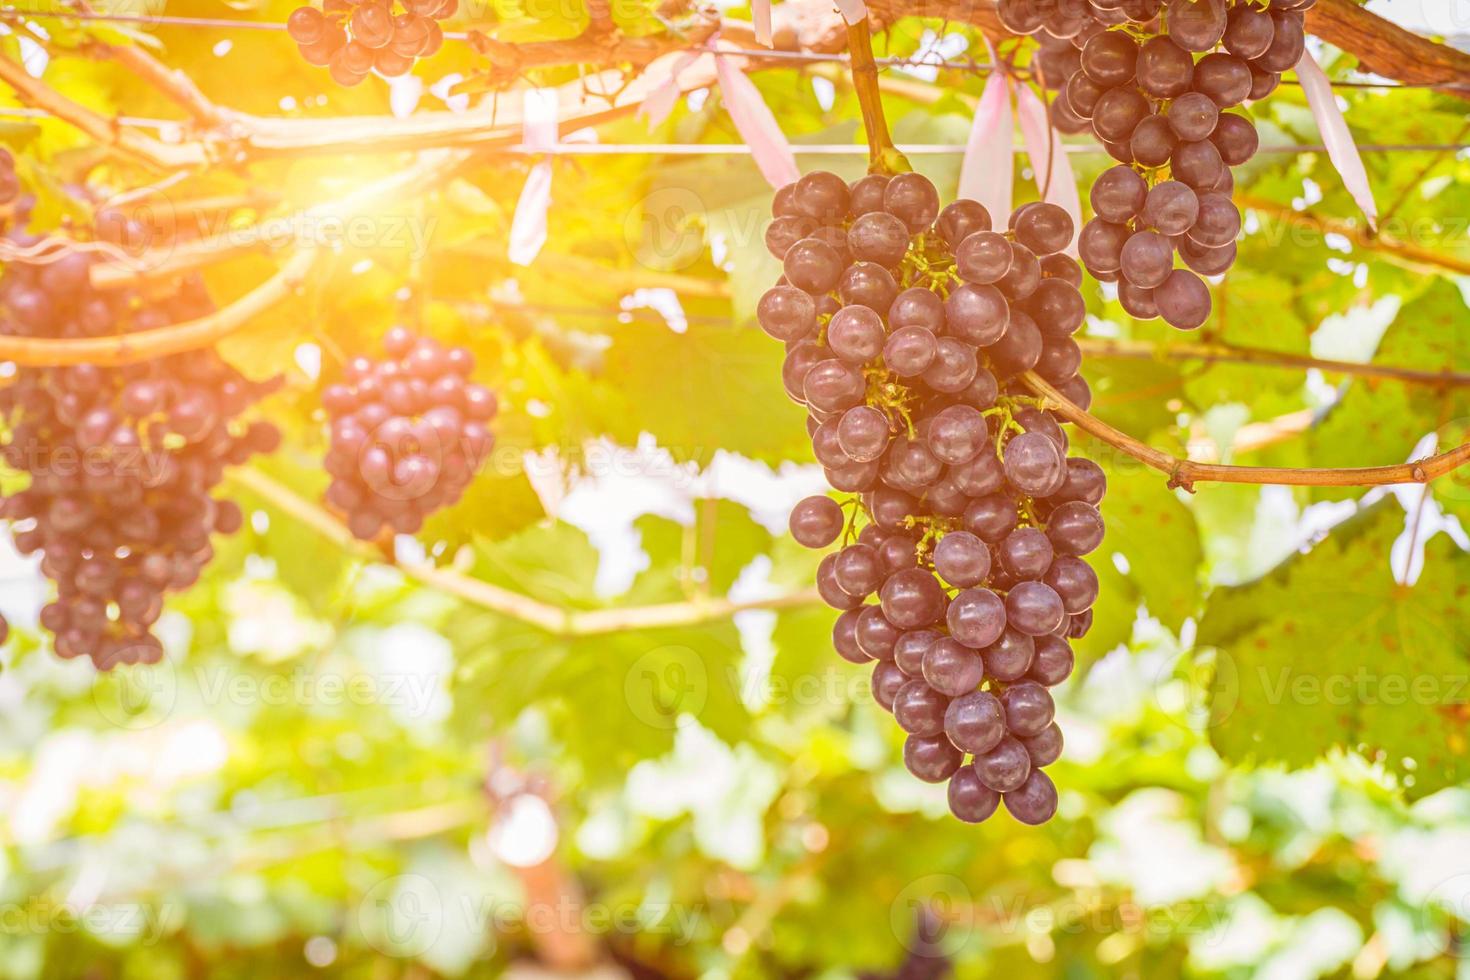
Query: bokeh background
(344,769)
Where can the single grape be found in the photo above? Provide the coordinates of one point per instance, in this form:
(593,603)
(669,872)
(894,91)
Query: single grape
(974,722)
(962,559)
(1005,767)
(970,799)
(1035,801)
(920,710)
(976,617)
(816,522)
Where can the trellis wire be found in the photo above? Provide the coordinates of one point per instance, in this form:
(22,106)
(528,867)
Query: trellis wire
(228,23)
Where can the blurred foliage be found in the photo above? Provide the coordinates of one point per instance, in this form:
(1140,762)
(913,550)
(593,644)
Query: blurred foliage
(1266,736)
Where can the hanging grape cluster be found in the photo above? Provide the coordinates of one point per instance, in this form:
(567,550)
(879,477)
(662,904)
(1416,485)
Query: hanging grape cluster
(354,39)
(906,330)
(407,434)
(122,460)
(1153,81)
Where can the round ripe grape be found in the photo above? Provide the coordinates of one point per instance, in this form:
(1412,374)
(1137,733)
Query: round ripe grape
(1021,16)
(978,315)
(1075,581)
(1110,58)
(1025,553)
(1147,259)
(1218,223)
(821,196)
(991,518)
(813,265)
(1075,528)
(1207,261)
(1101,245)
(1044,228)
(1153,142)
(932,760)
(911,598)
(878,237)
(1034,608)
(890,508)
(1248,31)
(832,386)
(1118,113)
(1236,138)
(786,231)
(971,800)
(372,25)
(844,637)
(1035,802)
(306,25)
(1183,300)
(980,476)
(1119,194)
(1024,275)
(1005,767)
(1008,658)
(1019,349)
(952,668)
(832,593)
(1199,164)
(1086,481)
(908,652)
(1165,70)
(984,257)
(1057,307)
(960,220)
(857,570)
(912,198)
(868,284)
(909,351)
(1196,25)
(1044,747)
(974,722)
(962,559)
(787,313)
(1171,208)
(863,433)
(1288,42)
(1193,116)
(1033,463)
(1137,303)
(953,368)
(976,618)
(816,522)
(1225,78)
(917,307)
(865,195)
(957,434)
(856,334)
(1082,94)
(919,709)
(1029,709)
(1263,82)
(875,635)
(1061,359)
(886,682)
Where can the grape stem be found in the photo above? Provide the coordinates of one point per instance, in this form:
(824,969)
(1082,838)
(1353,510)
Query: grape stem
(1186,473)
(883,156)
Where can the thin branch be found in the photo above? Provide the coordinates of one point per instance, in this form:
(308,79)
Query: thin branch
(1144,350)
(164,156)
(1384,242)
(162,341)
(552,619)
(1186,473)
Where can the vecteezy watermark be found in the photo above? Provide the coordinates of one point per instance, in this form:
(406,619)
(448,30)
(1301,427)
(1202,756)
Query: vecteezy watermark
(677,922)
(1449,903)
(407,914)
(136,922)
(68,461)
(143,696)
(665,683)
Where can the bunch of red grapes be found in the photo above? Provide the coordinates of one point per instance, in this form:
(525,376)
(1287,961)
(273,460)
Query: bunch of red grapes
(1152,80)
(408,434)
(907,330)
(122,460)
(354,39)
